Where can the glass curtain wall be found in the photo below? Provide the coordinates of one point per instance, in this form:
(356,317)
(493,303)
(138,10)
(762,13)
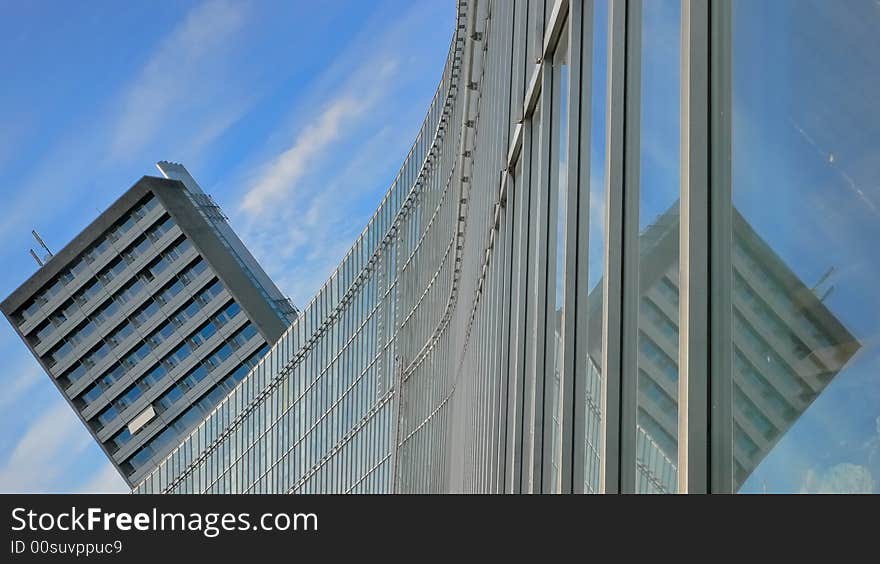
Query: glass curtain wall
(803,86)
(667,209)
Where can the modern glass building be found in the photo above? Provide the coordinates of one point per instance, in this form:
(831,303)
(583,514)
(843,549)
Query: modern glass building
(631,250)
(148,318)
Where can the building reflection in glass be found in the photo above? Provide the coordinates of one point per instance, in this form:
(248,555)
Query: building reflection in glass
(787,348)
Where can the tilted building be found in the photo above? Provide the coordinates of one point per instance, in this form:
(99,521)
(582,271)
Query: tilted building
(571,285)
(149,317)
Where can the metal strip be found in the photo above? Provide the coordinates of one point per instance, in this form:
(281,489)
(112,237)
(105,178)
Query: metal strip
(721,243)
(572,276)
(577,352)
(612,283)
(554,27)
(693,372)
(630,241)
(533,92)
(539,297)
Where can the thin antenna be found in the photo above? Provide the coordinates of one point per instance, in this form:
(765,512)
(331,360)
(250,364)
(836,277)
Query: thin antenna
(824,278)
(42,244)
(36,258)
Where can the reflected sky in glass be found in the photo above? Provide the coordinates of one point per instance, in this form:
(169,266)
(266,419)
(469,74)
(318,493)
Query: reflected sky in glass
(806,177)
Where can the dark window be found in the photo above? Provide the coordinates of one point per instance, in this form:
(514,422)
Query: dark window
(169,398)
(129,397)
(105,417)
(154,376)
(73,374)
(195,376)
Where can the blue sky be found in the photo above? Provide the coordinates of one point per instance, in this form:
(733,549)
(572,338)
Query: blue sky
(294,115)
(806,133)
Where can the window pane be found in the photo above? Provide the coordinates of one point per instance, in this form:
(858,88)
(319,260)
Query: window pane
(657,419)
(806,149)
(596,264)
(556,250)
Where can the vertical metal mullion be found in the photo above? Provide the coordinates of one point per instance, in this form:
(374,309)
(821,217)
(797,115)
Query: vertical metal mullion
(609,475)
(720,249)
(529,162)
(693,375)
(572,277)
(522,193)
(629,302)
(510,226)
(630,263)
(523,321)
(542,293)
(515,354)
(580,112)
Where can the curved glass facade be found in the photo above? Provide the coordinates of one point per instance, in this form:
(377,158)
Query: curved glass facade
(629,251)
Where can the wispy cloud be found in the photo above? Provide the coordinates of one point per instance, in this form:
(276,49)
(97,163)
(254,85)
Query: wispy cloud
(296,215)
(307,189)
(282,176)
(182,98)
(840,478)
(42,453)
(309,198)
(107,480)
(179,77)
(21,379)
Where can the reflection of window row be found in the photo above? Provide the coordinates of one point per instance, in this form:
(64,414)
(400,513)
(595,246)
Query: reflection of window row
(747,375)
(668,290)
(125,294)
(187,311)
(169,361)
(593,431)
(777,326)
(87,257)
(648,310)
(753,414)
(745,444)
(658,396)
(668,443)
(140,316)
(656,355)
(183,422)
(656,471)
(784,296)
(794,386)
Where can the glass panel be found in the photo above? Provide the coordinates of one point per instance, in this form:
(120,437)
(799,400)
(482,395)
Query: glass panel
(806,219)
(657,419)
(556,252)
(596,250)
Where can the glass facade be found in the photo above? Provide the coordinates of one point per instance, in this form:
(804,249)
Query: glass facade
(629,251)
(804,137)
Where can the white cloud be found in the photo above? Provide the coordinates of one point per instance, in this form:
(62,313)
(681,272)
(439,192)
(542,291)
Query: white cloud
(19,380)
(182,73)
(43,452)
(339,119)
(282,175)
(840,478)
(302,241)
(186,86)
(297,214)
